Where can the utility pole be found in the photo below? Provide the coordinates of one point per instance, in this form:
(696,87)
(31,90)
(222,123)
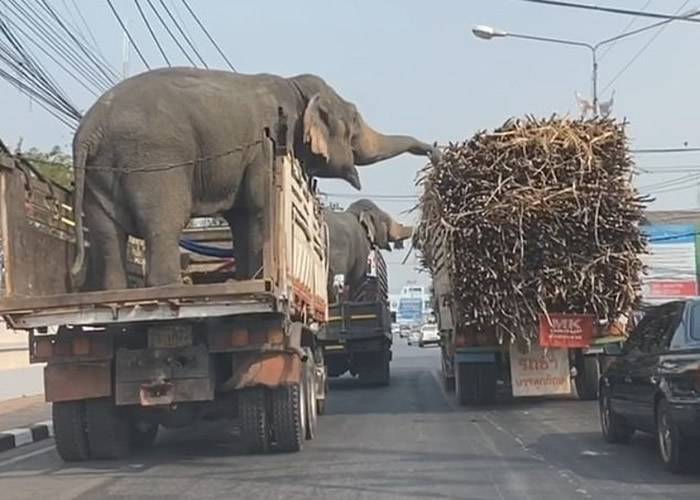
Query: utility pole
(126,48)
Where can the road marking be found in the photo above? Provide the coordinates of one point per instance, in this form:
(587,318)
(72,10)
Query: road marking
(31,454)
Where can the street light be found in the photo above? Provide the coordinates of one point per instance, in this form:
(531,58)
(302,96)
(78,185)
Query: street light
(487,33)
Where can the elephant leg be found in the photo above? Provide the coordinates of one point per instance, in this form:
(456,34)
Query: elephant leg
(107,251)
(246,228)
(163,259)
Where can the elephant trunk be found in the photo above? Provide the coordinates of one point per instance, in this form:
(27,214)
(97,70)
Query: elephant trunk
(399,232)
(372,147)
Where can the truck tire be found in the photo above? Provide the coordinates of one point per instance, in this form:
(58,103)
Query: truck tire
(475,383)
(108,430)
(587,377)
(310,400)
(142,434)
(288,417)
(252,411)
(448,379)
(69,431)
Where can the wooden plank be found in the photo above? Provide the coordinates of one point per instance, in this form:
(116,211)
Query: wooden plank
(154,294)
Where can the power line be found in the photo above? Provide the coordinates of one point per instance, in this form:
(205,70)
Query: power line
(128,34)
(613,10)
(624,31)
(172,35)
(642,50)
(206,32)
(150,30)
(184,35)
(664,150)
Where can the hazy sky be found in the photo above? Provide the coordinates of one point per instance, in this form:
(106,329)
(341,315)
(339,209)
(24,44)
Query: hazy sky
(413,67)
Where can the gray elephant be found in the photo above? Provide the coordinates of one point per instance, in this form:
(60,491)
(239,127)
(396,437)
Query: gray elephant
(171,144)
(352,233)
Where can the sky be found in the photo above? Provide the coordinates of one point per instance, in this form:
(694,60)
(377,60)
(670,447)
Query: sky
(414,67)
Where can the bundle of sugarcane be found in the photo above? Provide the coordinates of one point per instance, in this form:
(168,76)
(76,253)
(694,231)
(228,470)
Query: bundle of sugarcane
(538,217)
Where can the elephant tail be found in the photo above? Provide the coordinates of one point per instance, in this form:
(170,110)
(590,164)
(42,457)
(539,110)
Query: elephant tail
(79,173)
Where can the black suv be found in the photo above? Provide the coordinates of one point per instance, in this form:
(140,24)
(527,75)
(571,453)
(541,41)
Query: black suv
(654,384)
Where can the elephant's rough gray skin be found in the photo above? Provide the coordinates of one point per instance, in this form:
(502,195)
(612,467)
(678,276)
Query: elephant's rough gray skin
(352,233)
(171,144)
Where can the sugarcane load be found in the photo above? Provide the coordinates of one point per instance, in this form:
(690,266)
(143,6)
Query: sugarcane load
(538,217)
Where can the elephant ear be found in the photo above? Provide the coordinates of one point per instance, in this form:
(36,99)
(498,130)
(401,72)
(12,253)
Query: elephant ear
(316,133)
(378,232)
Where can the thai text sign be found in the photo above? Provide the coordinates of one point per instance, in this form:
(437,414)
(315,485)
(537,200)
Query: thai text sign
(566,330)
(536,373)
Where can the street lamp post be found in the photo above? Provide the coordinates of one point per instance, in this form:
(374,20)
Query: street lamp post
(488,33)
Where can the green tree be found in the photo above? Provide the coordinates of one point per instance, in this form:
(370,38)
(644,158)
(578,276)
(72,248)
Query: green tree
(55,165)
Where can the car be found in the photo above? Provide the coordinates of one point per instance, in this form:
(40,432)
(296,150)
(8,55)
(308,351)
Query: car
(653,384)
(413,336)
(404,331)
(395,329)
(429,334)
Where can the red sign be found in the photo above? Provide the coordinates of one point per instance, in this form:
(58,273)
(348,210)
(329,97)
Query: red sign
(672,288)
(566,330)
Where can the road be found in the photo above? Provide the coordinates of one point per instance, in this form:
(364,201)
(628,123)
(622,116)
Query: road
(405,441)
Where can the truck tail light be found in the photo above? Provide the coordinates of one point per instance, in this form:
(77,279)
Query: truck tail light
(239,337)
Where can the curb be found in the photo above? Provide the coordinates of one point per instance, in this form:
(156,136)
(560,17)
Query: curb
(14,438)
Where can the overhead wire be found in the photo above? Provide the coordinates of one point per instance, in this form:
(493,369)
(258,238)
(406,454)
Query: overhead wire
(128,34)
(184,35)
(153,35)
(624,31)
(169,31)
(88,39)
(208,35)
(643,49)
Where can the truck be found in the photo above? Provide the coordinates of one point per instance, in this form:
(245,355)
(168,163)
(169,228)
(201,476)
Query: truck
(475,366)
(358,337)
(121,363)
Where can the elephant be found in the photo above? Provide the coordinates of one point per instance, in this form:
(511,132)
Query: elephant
(352,234)
(170,144)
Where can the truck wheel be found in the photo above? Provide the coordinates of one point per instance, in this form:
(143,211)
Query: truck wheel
(108,430)
(252,411)
(142,434)
(448,379)
(69,431)
(475,383)
(310,400)
(587,378)
(321,398)
(288,417)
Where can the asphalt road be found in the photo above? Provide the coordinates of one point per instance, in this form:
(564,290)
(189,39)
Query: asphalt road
(405,441)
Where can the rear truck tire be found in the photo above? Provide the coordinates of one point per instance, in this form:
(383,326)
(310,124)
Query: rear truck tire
(613,426)
(321,398)
(475,383)
(288,417)
(108,430)
(253,415)
(448,380)
(310,400)
(587,378)
(142,434)
(70,430)
(376,370)
(673,448)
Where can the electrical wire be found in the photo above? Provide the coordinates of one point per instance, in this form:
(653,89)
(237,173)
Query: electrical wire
(206,32)
(641,51)
(624,31)
(169,31)
(613,10)
(128,34)
(153,35)
(184,35)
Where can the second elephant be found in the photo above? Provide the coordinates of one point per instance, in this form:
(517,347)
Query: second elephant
(353,233)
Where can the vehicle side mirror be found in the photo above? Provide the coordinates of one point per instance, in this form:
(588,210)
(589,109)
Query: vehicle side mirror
(613,349)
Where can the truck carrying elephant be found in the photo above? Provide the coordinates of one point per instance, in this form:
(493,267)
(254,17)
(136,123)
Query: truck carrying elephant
(357,338)
(171,144)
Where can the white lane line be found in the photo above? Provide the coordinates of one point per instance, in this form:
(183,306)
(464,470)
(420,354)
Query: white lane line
(22,436)
(31,454)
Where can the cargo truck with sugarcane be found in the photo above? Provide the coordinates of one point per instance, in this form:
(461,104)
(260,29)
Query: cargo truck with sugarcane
(532,235)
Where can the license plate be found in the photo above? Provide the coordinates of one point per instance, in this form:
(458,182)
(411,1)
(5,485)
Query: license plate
(169,337)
